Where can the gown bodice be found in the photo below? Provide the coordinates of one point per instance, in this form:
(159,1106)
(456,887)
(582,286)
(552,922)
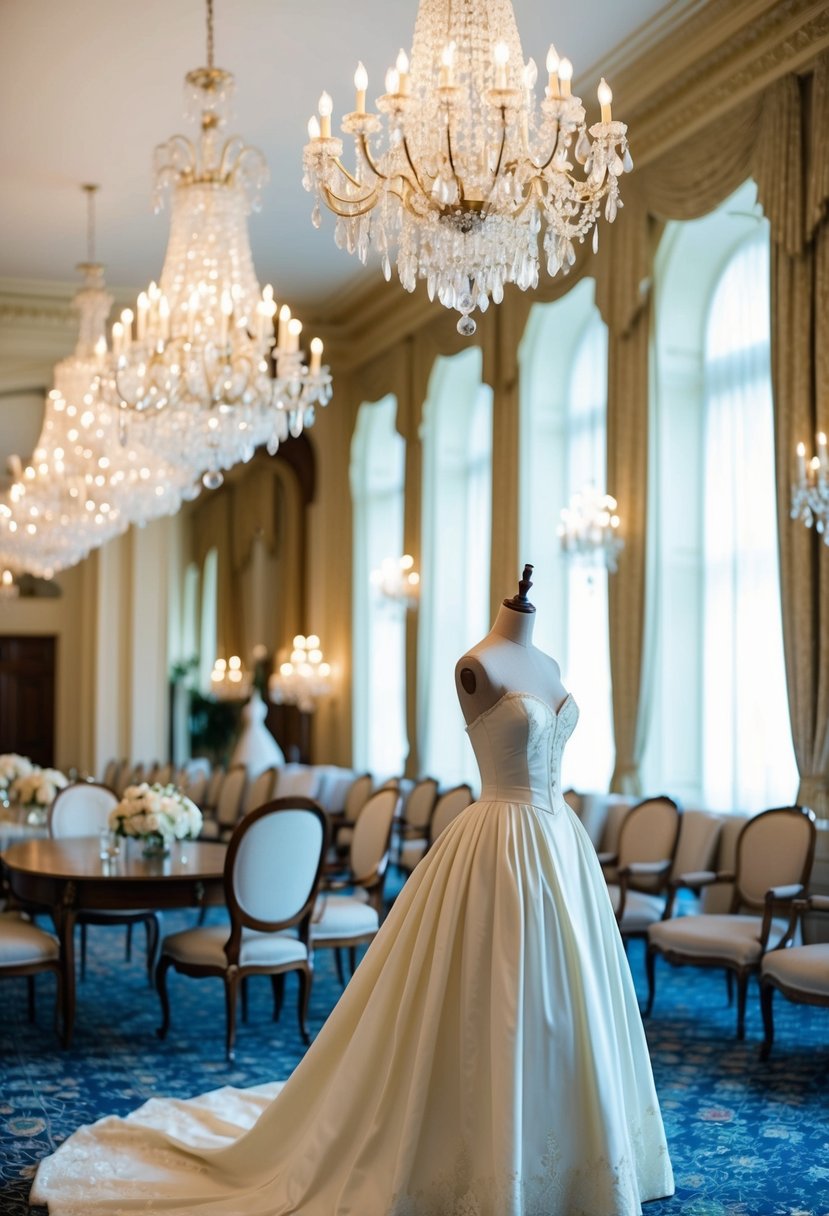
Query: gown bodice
(518,744)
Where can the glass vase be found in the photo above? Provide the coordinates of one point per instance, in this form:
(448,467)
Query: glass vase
(155,845)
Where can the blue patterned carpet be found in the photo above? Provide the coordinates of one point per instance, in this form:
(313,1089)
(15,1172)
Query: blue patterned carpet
(746,1138)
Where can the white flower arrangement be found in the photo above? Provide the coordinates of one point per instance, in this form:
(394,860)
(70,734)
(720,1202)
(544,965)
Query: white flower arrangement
(38,788)
(156,812)
(13,766)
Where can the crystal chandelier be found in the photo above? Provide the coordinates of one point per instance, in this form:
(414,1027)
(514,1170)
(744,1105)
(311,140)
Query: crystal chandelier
(85,484)
(810,491)
(589,528)
(198,359)
(304,679)
(397,581)
(229,681)
(471,171)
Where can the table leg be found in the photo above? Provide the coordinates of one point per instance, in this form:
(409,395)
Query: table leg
(65,924)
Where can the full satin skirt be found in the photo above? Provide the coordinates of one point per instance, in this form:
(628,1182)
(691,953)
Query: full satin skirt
(486,1059)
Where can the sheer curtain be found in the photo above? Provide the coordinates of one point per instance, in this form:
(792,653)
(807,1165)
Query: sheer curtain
(454,603)
(208,619)
(748,760)
(562,450)
(377,473)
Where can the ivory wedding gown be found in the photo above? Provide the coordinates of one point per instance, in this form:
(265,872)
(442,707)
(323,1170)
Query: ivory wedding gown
(487,1058)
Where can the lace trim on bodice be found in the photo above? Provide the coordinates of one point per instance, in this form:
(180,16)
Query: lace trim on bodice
(528,771)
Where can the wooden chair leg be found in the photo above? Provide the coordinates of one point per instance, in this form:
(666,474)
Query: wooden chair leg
(352,958)
(231,984)
(766,998)
(278,985)
(164,964)
(30,984)
(742,991)
(83,951)
(202,917)
(304,998)
(339,963)
(128,944)
(650,968)
(729,982)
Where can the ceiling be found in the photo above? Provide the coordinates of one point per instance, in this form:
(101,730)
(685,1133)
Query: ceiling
(88,88)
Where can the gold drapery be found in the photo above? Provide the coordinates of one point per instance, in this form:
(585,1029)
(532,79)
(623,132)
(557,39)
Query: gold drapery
(793,178)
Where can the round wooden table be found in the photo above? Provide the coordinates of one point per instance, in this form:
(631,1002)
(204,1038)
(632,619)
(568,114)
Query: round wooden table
(68,876)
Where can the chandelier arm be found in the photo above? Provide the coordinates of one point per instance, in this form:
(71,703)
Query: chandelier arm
(458,179)
(420,185)
(370,160)
(500,156)
(349,176)
(359,206)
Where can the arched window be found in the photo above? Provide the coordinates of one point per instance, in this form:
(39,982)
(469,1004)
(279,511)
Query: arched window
(563,360)
(719,733)
(377,472)
(457,527)
(748,759)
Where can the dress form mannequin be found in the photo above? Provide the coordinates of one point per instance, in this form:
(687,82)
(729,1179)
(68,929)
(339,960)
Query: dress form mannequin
(506,660)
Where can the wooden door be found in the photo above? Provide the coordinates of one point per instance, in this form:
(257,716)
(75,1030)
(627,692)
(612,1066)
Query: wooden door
(27,697)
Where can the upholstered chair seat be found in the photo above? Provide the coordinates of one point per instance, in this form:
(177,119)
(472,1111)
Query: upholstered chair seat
(737,938)
(27,950)
(205,947)
(23,944)
(773,861)
(343,916)
(800,973)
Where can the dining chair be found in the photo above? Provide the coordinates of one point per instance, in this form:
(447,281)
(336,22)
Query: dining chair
(228,808)
(195,787)
(260,790)
(82,809)
(800,973)
(448,806)
(774,855)
(110,773)
(214,788)
(349,908)
(271,878)
(638,872)
(356,798)
(413,823)
(26,950)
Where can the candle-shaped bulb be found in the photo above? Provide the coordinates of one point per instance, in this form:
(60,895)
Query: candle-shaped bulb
(392,81)
(361,84)
(553,61)
(294,330)
(447,65)
(316,355)
(605,94)
(164,317)
(313,127)
(565,75)
(402,63)
(325,107)
(501,56)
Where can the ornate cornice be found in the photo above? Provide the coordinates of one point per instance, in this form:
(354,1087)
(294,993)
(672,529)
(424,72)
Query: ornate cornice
(718,64)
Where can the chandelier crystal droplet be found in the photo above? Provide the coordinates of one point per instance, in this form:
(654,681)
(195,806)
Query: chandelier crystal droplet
(200,359)
(472,172)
